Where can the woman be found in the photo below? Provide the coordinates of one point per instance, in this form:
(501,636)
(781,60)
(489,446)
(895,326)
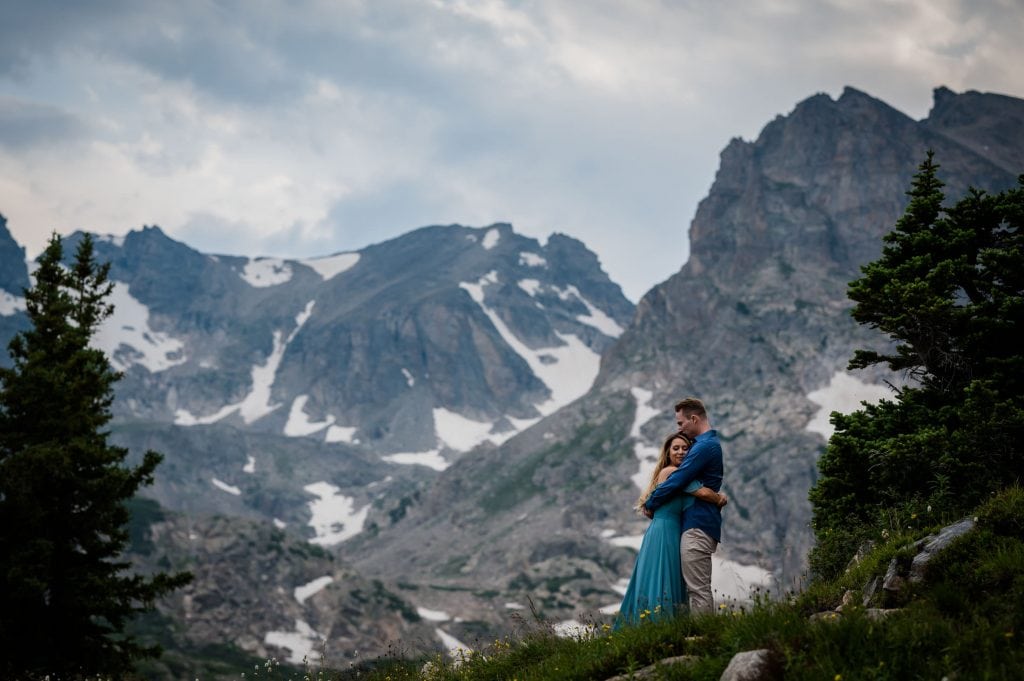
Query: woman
(656,589)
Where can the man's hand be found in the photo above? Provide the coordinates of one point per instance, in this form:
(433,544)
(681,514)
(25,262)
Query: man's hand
(723,499)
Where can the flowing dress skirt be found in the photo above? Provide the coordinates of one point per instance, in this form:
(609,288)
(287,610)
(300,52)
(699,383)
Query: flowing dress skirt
(656,589)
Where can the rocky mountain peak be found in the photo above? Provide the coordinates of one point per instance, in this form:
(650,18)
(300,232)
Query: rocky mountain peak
(13,270)
(13,282)
(991,125)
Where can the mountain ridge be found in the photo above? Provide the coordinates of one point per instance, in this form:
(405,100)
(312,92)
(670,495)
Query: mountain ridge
(530,392)
(757,322)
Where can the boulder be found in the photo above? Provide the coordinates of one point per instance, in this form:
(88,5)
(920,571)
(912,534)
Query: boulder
(892,582)
(934,544)
(752,665)
(879,613)
(870,589)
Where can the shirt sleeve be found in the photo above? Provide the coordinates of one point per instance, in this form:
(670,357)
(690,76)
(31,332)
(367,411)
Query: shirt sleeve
(681,478)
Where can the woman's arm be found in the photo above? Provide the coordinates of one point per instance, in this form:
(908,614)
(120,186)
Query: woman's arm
(711,496)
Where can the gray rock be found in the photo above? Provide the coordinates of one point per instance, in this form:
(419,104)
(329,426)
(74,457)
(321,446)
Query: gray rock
(861,553)
(892,582)
(870,589)
(847,599)
(752,665)
(880,613)
(651,671)
(826,616)
(935,544)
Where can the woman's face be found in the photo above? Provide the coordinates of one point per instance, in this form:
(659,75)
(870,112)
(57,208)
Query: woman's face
(676,451)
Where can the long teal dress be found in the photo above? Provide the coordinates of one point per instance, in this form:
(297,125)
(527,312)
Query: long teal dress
(656,589)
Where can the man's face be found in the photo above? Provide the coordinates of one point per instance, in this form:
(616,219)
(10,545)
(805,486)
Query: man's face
(688,425)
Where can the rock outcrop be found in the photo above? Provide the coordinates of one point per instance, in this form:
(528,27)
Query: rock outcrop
(13,281)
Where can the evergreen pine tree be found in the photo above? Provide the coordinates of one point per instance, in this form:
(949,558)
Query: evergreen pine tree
(65,597)
(949,291)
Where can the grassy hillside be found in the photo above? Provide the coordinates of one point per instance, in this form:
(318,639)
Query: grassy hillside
(964,620)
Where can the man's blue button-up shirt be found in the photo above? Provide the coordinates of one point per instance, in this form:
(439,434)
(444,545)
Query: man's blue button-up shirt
(704,463)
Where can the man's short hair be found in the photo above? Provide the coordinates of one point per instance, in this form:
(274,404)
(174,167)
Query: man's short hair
(691,406)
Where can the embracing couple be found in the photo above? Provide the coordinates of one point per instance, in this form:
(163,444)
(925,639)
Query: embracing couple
(685,507)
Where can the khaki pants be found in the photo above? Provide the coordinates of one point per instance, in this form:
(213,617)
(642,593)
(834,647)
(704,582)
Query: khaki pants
(697,548)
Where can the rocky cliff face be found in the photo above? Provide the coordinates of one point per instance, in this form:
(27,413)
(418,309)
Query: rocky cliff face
(756,323)
(13,281)
(261,592)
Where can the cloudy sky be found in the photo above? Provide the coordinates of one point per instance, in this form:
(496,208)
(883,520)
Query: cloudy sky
(309,127)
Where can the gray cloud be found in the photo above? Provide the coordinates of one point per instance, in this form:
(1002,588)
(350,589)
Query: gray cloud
(306,127)
(25,124)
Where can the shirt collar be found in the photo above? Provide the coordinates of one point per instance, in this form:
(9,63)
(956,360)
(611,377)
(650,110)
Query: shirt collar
(706,435)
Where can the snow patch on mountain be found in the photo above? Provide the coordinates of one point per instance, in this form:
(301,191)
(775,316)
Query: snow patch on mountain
(113,239)
(528,259)
(332,265)
(334,515)
(230,489)
(531,286)
(341,434)
(570,369)
(264,272)
(491,239)
(458,432)
(301,319)
(430,459)
(454,647)
(729,580)
(298,424)
(250,465)
(599,320)
(409,380)
(844,393)
(312,588)
(645,453)
(734,581)
(301,644)
(433,615)
(594,317)
(126,337)
(256,404)
(11,304)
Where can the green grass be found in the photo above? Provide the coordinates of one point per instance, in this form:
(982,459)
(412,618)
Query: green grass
(964,621)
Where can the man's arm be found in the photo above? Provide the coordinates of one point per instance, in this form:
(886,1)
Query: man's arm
(695,460)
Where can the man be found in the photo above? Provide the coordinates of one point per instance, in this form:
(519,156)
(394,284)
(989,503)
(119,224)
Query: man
(702,523)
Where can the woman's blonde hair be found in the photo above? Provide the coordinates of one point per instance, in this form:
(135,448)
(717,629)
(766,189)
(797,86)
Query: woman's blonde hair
(663,461)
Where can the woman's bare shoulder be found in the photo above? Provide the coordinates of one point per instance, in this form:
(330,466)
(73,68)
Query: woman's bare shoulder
(665,472)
